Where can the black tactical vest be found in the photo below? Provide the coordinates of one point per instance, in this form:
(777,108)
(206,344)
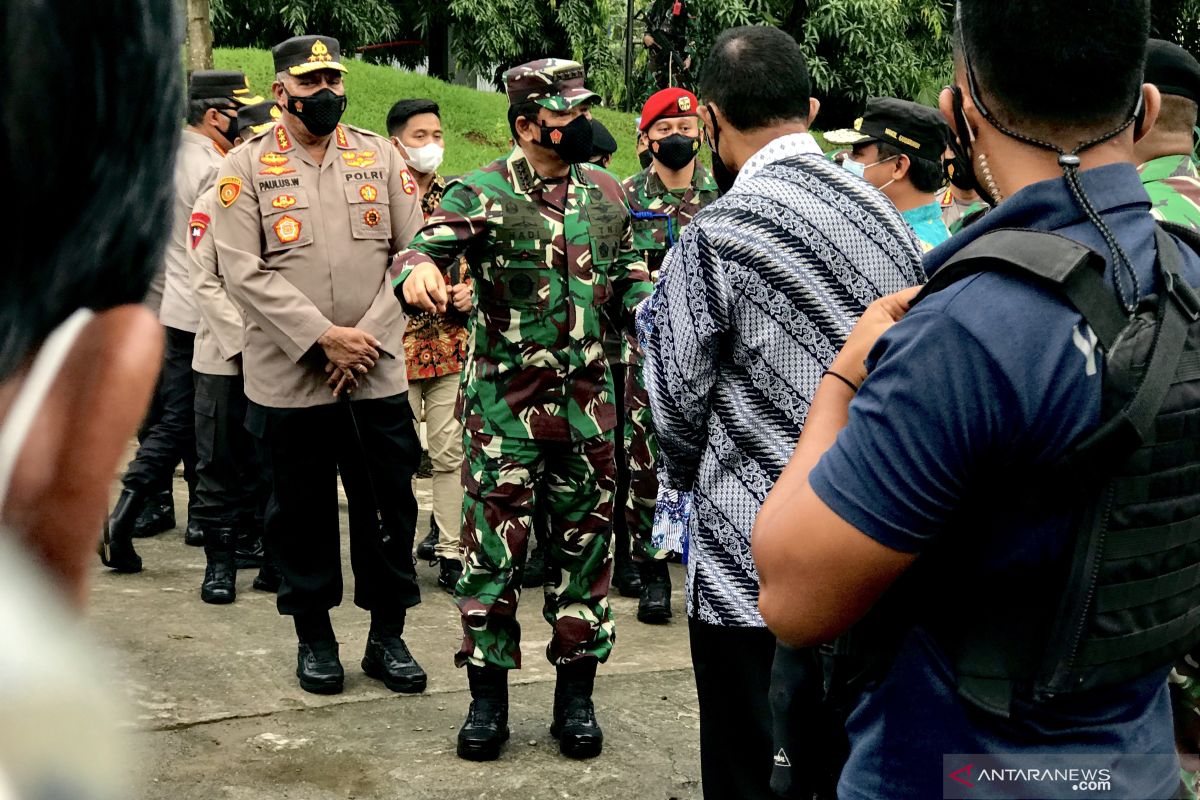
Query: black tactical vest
(1129,604)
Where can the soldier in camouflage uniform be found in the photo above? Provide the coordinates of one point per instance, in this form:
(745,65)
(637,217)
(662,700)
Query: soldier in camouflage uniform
(550,245)
(662,198)
(1170,179)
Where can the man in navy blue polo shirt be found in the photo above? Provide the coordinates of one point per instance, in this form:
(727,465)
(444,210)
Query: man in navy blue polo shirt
(978,386)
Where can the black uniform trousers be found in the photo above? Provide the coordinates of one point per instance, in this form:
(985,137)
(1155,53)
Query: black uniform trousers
(733,681)
(169,437)
(306,449)
(230,482)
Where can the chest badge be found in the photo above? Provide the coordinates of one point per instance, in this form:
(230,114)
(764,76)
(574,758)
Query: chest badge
(284,201)
(410,186)
(287,229)
(273,159)
(228,190)
(197,227)
(368,193)
(276,171)
(359,158)
(372,217)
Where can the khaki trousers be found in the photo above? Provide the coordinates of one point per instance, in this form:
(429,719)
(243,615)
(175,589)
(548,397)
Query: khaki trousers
(433,400)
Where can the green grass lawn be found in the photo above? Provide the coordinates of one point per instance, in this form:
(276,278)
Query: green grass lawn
(475,123)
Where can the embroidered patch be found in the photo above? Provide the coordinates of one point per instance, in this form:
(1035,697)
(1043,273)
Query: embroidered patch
(197,227)
(273,159)
(372,217)
(340,132)
(359,158)
(368,193)
(228,190)
(556,136)
(284,201)
(282,139)
(287,229)
(276,171)
(410,186)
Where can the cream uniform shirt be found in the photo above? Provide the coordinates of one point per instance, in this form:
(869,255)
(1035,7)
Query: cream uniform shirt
(304,246)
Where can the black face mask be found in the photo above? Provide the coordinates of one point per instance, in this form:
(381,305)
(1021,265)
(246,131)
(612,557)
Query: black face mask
(572,142)
(231,130)
(645,157)
(320,112)
(962,167)
(722,174)
(675,151)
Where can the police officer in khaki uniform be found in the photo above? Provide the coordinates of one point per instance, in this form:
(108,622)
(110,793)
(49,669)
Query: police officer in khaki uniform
(168,438)
(231,490)
(307,218)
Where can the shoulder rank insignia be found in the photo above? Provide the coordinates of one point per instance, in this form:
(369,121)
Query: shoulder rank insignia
(197,227)
(228,190)
(282,139)
(368,193)
(340,134)
(287,229)
(359,158)
(372,217)
(274,159)
(410,186)
(284,201)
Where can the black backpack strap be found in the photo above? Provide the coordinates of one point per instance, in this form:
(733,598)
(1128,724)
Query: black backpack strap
(1074,270)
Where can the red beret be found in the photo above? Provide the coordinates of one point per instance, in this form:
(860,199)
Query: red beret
(668,103)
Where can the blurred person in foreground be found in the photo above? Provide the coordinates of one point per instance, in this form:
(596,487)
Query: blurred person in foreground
(1165,154)
(78,356)
(941,457)
(750,308)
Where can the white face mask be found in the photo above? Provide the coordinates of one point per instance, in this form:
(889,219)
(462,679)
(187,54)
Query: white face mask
(28,402)
(425,159)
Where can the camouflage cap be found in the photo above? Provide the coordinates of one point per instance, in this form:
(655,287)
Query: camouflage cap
(552,83)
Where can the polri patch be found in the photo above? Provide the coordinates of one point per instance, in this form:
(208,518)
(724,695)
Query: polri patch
(287,229)
(284,201)
(410,186)
(197,227)
(228,190)
(368,193)
(372,217)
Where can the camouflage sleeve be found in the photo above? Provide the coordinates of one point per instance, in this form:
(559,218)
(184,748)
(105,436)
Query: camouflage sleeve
(630,276)
(450,229)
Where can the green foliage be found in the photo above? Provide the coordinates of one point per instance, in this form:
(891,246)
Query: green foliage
(475,123)
(263,23)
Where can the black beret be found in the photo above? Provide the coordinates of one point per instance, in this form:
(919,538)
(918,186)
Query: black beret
(1173,70)
(603,143)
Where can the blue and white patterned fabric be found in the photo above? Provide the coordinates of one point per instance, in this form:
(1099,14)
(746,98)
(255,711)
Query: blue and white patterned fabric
(753,303)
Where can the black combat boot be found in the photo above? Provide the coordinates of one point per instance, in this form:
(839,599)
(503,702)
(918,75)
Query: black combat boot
(427,549)
(575,725)
(268,577)
(193,534)
(626,577)
(450,571)
(220,574)
(317,664)
(158,516)
(654,607)
(535,568)
(116,546)
(388,658)
(249,547)
(486,728)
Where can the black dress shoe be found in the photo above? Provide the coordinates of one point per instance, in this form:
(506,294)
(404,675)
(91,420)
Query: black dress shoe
(268,578)
(388,659)
(449,573)
(485,730)
(220,572)
(654,607)
(194,534)
(318,668)
(427,549)
(626,577)
(158,516)
(116,545)
(575,726)
(249,548)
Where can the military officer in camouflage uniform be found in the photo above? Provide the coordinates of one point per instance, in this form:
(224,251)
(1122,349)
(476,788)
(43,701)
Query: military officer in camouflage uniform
(1170,179)
(550,246)
(1167,169)
(663,198)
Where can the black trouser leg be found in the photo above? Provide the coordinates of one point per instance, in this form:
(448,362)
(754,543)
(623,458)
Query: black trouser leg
(226,469)
(171,437)
(377,472)
(733,679)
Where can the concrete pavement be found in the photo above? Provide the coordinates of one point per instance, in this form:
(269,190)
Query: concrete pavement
(216,713)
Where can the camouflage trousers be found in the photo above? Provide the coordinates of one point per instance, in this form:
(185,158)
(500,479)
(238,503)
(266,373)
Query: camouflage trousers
(508,481)
(641,446)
